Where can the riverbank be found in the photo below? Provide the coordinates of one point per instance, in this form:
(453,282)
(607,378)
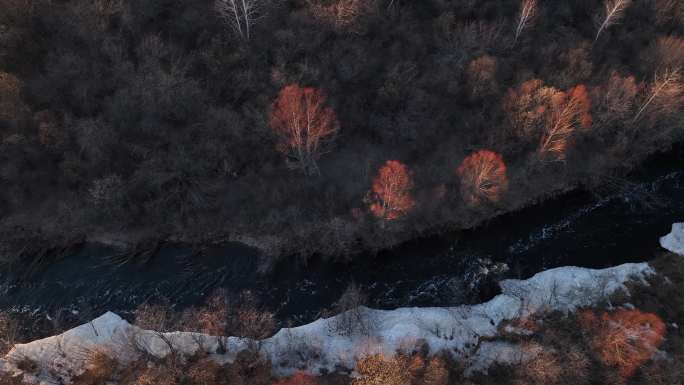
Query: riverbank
(366,238)
(532,326)
(579,229)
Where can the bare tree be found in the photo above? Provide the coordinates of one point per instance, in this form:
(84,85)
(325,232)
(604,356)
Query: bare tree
(9,332)
(340,14)
(666,53)
(240,15)
(668,11)
(224,316)
(481,76)
(158,319)
(528,10)
(614,10)
(474,37)
(615,100)
(665,91)
(349,318)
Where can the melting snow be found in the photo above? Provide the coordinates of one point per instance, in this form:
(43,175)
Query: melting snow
(674,241)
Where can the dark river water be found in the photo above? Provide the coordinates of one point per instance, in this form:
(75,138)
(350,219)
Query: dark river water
(620,225)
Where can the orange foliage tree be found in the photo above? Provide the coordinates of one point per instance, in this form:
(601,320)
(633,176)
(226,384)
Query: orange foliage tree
(624,339)
(526,107)
(535,109)
(391,195)
(483,177)
(304,124)
(568,112)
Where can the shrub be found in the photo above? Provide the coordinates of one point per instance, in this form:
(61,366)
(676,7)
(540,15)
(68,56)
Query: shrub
(204,371)
(624,339)
(436,372)
(154,317)
(379,370)
(249,368)
(8,379)
(10,332)
(667,371)
(349,319)
(225,316)
(544,368)
(100,368)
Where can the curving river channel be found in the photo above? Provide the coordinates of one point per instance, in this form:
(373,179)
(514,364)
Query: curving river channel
(578,228)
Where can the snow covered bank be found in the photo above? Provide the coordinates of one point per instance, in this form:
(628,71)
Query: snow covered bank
(674,241)
(327,344)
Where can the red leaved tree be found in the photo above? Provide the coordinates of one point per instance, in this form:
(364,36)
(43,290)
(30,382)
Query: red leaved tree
(624,339)
(391,195)
(483,177)
(304,125)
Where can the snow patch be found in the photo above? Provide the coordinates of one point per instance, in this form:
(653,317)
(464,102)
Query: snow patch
(674,241)
(466,332)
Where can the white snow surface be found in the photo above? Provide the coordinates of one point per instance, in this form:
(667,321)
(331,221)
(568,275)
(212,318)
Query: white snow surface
(674,241)
(324,345)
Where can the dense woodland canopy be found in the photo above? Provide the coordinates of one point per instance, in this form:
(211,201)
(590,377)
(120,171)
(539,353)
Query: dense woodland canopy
(270,121)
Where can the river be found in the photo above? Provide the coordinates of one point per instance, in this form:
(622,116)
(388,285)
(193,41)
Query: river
(579,228)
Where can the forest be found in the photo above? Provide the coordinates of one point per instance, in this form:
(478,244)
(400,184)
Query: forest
(322,126)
